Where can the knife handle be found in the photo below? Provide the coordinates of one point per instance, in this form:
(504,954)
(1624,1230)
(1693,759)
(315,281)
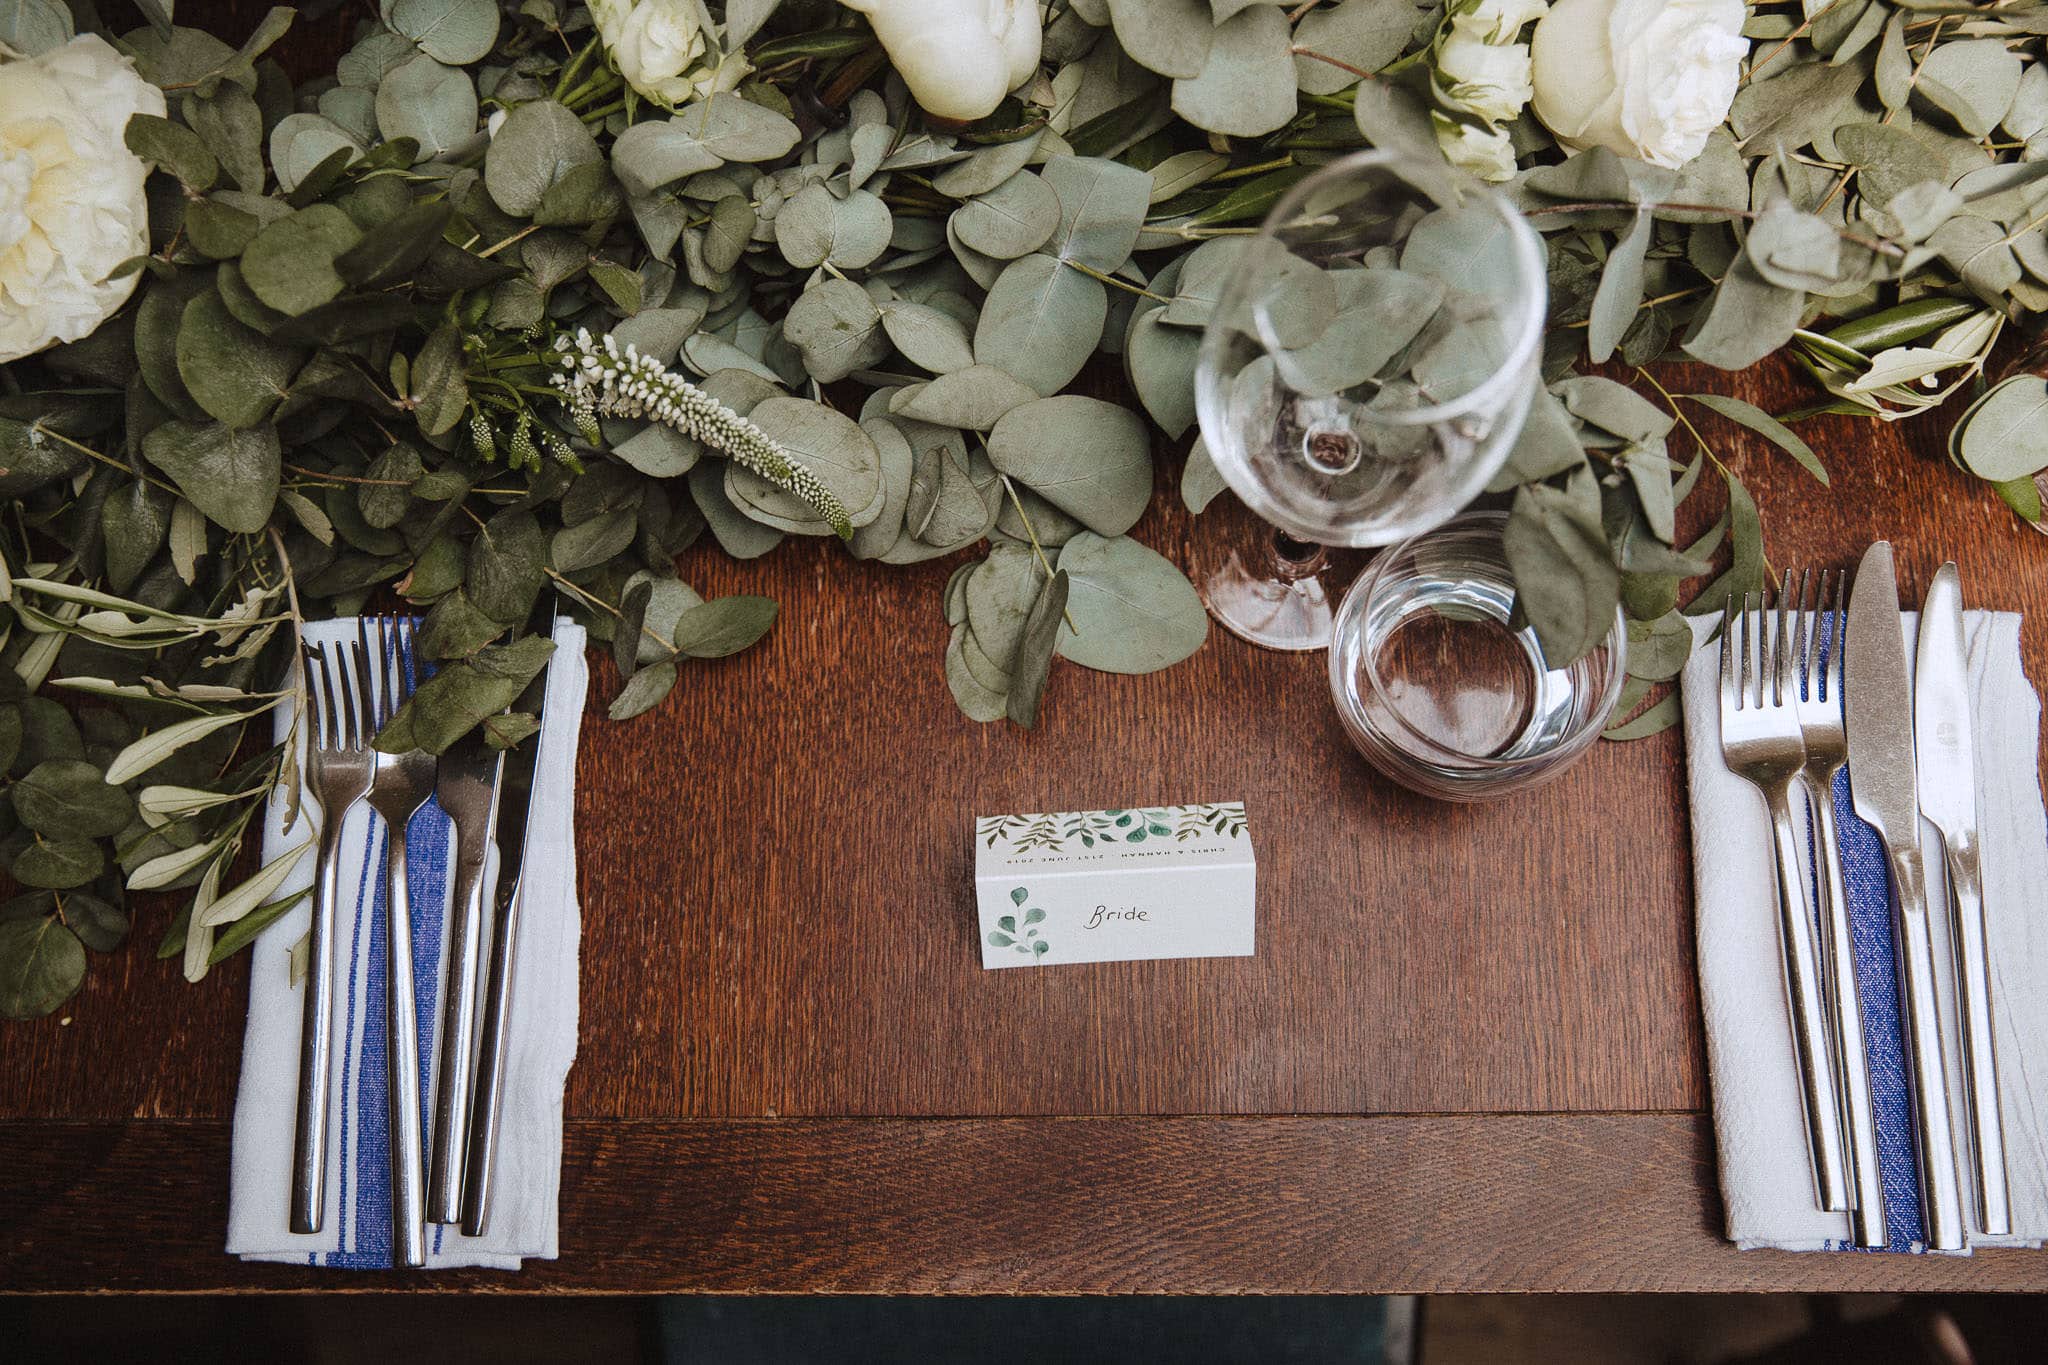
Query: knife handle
(1803,1002)
(448,1149)
(1940,1193)
(488,1100)
(1979,1052)
(1838,952)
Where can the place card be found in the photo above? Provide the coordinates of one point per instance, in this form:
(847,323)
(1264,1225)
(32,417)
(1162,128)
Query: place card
(1114,885)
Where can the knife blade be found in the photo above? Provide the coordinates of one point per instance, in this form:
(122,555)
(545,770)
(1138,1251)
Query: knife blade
(1878,712)
(1943,742)
(514,800)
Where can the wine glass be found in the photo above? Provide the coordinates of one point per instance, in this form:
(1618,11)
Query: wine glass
(1363,374)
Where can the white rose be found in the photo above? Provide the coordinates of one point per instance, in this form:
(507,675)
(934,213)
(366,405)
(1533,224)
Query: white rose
(1501,20)
(959,57)
(659,46)
(1483,78)
(1477,149)
(1648,78)
(71,201)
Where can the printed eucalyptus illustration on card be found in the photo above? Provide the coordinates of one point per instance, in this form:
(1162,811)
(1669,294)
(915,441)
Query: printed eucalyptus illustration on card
(1025,939)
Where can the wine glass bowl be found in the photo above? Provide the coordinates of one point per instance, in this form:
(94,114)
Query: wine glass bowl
(1372,351)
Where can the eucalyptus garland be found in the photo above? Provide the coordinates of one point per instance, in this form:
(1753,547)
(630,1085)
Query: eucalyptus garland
(530,296)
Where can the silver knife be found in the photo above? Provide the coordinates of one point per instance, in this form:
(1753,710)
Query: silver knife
(1881,777)
(1943,741)
(466,789)
(515,793)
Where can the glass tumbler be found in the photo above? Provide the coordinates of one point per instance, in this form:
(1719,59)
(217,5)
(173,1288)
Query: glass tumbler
(1437,688)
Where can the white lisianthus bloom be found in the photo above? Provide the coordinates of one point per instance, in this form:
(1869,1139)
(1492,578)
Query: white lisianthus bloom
(660,47)
(1481,77)
(1649,79)
(1479,149)
(71,200)
(959,57)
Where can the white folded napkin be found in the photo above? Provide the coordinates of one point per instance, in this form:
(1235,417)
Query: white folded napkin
(356,1231)
(1766,1180)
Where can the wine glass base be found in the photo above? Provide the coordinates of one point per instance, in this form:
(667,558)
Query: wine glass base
(1291,614)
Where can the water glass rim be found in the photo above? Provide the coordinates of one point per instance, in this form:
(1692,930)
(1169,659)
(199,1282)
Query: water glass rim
(1361,593)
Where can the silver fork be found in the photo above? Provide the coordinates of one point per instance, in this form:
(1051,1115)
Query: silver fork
(338,772)
(1760,742)
(400,787)
(1818,703)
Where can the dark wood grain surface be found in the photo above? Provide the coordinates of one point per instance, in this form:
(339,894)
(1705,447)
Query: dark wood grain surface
(794,1075)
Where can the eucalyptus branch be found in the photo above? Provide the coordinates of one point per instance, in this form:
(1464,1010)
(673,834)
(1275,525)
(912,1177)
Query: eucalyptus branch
(1031,534)
(1092,273)
(1875,244)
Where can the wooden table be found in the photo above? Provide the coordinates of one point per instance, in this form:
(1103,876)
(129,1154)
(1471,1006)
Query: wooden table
(1467,1055)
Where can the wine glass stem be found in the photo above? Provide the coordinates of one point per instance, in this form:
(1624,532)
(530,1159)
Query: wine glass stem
(1294,560)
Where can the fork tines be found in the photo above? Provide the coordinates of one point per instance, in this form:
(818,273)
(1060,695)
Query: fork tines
(1822,613)
(1769,662)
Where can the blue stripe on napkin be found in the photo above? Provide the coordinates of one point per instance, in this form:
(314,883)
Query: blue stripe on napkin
(1867,878)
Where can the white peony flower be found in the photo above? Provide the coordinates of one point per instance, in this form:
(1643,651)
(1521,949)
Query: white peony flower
(71,201)
(1649,79)
(959,57)
(1481,77)
(660,47)
(1477,149)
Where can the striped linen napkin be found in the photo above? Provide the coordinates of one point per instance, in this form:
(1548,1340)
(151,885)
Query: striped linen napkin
(1766,1180)
(356,1231)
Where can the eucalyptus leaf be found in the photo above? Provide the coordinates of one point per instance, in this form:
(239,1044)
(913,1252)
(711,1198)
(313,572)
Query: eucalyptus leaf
(2004,435)
(433,104)
(1133,611)
(1566,583)
(1040,322)
(974,398)
(1621,291)
(1017,216)
(927,337)
(1090,458)
(232,476)
(1247,85)
(1973,82)
(290,263)
(1033,660)
(70,797)
(539,143)
(41,965)
(816,227)
(1102,206)
(453,31)
(457,698)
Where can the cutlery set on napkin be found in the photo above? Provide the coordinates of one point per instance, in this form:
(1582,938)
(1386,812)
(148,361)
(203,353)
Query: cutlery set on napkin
(401,1105)
(1872,984)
